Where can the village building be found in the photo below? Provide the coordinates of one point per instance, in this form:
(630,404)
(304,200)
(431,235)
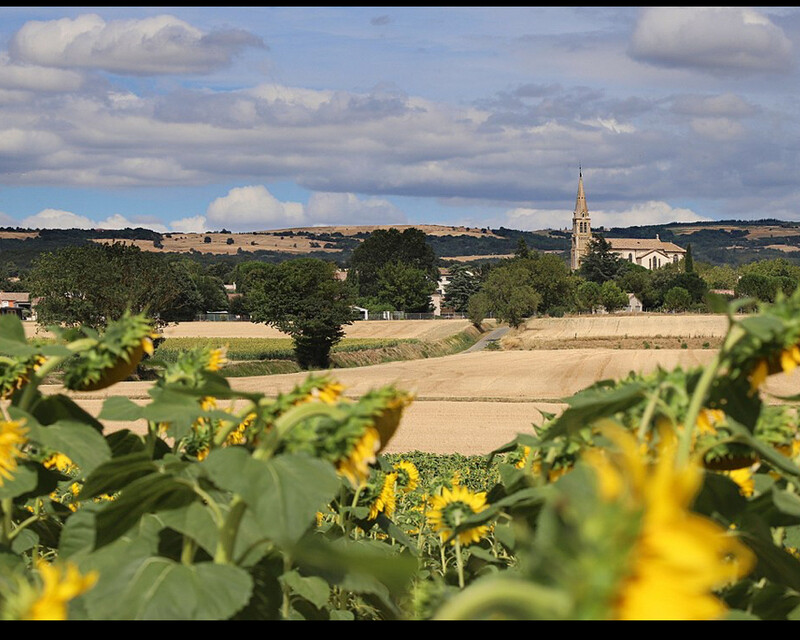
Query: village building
(647,252)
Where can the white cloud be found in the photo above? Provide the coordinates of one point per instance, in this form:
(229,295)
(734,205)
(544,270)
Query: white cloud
(194,224)
(717,39)
(57,219)
(724,105)
(7,221)
(645,213)
(157,45)
(347,208)
(118,221)
(253,208)
(31,77)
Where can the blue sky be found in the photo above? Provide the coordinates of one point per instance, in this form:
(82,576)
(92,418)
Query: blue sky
(250,118)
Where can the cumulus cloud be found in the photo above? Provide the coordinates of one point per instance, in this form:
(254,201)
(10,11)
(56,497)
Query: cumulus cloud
(157,45)
(31,77)
(254,208)
(644,213)
(347,208)
(715,39)
(193,224)
(57,219)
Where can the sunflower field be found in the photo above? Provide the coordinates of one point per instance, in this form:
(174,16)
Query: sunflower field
(672,495)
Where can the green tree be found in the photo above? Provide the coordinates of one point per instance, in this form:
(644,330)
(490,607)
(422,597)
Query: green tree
(522,250)
(95,283)
(507,296)
(404,287)
(303,298)
(464,283)
(755,285)
(588,296)
(600,263)
(390,245)
(638,280)
(612,297)
(688,261)
(549,276)
(677,299)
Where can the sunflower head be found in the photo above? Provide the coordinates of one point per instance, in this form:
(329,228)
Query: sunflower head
(447,511)
(677,558)
(15,373)
(60,584)
(407,476)
(12,440)
(114,357)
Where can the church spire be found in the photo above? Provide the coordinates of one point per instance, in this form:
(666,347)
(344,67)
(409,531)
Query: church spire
(581,209)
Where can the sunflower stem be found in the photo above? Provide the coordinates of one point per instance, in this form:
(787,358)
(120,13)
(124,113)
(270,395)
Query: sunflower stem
(6,504)
(459,564)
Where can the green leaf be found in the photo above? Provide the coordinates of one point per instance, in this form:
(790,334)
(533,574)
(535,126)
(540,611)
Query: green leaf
(155,588)
(148,494)
(193,521)
(113,475)
(76,440)
(312,588)
(24,479)
(120,408)
(284,493)
(11,329)
(598,401)
(57,407)
(78,534)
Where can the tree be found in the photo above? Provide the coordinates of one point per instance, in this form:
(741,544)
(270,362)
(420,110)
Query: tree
(96,283)
(404,287)
(507,297)
(549,276)
(522,250)
(390,245)
(600,263)
(612,297)
(464,283)
(677,299)
(303,298)
(755,285)
(588,296)
(688,261)
(638,280)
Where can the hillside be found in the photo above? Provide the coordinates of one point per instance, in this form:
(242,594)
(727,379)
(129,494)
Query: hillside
(722,242)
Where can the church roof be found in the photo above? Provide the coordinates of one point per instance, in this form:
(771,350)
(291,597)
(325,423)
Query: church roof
(643,243)
(580,202)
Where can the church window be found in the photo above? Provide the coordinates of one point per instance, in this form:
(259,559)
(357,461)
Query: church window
(630,257)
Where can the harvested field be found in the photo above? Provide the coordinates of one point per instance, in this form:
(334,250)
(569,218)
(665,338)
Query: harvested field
(470,403)
(428,330)
(418,329)
(539,333)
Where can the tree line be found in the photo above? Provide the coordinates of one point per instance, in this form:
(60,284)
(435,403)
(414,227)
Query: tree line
(308,299)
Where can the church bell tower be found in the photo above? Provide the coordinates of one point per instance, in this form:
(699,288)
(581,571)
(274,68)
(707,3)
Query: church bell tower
(581,227)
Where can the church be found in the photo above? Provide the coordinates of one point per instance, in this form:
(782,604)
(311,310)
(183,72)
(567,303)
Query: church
(647,252)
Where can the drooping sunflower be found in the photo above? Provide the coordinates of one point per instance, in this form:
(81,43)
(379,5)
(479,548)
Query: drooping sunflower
(386,500)
(355,464)
(60,584)
(15,373)
(115,356)
(407,476)
(451,508)
(12,439)
(678,558)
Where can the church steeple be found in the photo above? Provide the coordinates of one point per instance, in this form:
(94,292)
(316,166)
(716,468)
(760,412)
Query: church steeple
(580,202)
(581,226)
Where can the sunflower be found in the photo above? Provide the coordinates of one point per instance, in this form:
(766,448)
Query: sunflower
(386,500)
(451,508)
(785,361)
(216,360)
(355,464)
(60,584)
(407,476)
(15,374)
(12,439)
(61,462)
(678,557)
(744,479)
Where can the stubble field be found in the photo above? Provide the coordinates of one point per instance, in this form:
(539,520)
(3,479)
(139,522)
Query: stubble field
(471,403)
